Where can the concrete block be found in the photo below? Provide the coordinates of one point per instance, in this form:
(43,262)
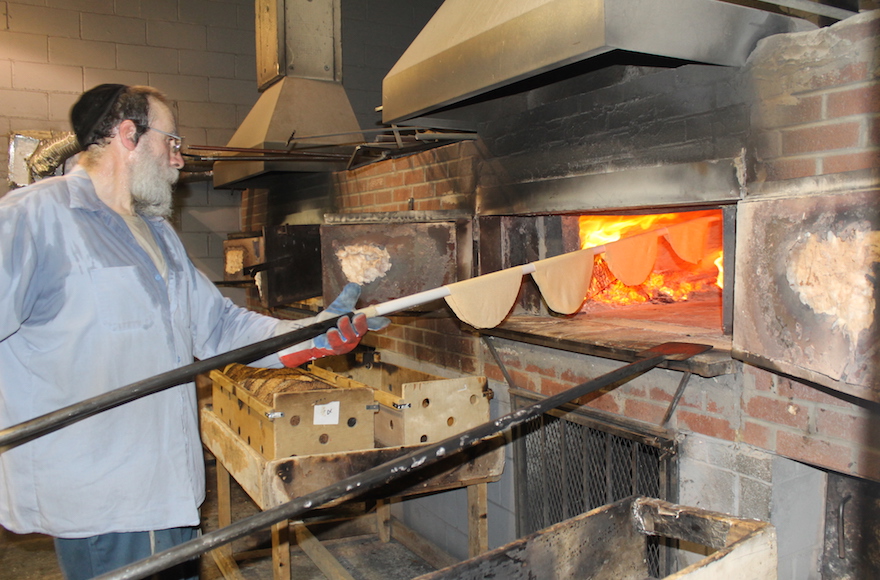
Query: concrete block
(237,295)
(147,58)
(60,104)
(246,68)
(210,267)
(36,124)
(706,487)
(502,526)
(176,35)
(162,10)
(215,245)
(73,51)
(21,46)
(97,6)
(755,498)
(232,41)
(196,244)
(131,8)
(5,74)
(181,87)
(223,197)
(798,512)
(218,136)
(753,463)
(208,115)
(209,13)
(209,64)
(190,195)
(192,135)
(110,28)
(237,92)
(245,15)
(209,220)
(43,20)
(96,76)
(47,77)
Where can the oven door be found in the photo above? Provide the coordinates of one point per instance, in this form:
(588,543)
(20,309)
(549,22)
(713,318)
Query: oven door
(806,283)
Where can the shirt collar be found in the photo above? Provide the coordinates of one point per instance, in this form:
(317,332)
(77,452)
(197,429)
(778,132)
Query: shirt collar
(82,191)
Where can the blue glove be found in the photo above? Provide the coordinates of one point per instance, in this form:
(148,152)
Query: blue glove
(346,302)
(339,340)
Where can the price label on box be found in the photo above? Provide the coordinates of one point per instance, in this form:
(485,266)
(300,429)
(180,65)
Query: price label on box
(327,414)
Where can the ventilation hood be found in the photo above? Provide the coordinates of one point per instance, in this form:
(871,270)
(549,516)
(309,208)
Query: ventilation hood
(473,47)
(303,119)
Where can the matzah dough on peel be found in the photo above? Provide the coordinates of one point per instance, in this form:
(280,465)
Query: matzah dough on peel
(688,239)
(565,279)
(632,259)
(483,302)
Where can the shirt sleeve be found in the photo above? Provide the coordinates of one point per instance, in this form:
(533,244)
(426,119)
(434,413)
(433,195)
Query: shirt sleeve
(221,325)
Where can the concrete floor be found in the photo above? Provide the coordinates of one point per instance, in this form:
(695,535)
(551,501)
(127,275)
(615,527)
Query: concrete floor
(32,557)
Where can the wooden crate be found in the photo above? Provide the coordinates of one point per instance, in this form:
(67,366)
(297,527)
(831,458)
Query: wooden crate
(287,412)
(414,407)
(610,543)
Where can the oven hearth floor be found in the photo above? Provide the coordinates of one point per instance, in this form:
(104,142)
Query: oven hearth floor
(605,333)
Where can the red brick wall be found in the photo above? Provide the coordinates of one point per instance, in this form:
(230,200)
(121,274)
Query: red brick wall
(818,106)
(437,179)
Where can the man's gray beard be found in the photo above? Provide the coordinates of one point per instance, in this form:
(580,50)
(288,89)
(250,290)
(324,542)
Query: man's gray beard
(151,186)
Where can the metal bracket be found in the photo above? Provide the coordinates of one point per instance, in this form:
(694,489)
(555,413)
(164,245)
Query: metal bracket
(373,407)
(272,415)
(402,405)
(489,343)
(674,403)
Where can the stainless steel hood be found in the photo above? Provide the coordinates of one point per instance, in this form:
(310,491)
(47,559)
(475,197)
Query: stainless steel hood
(303,114)
(472,47)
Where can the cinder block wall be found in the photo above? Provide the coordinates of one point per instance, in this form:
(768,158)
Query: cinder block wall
(199,52)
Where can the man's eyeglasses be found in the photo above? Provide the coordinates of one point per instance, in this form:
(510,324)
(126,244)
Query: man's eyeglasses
(176,140)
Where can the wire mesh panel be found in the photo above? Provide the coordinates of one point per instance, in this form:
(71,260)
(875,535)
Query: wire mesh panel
(570,461)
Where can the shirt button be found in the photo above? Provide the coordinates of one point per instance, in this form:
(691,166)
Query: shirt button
(158,277)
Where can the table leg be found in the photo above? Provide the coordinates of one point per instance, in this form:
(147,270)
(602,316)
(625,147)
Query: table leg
(383,520)
(478,523)
(281,551)
(222,555)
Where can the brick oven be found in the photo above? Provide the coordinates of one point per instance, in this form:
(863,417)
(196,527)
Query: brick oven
(779,421)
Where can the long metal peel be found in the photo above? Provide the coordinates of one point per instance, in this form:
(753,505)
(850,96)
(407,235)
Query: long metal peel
(44,424)
(407,464)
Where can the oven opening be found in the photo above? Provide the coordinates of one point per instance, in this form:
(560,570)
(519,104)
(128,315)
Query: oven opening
(686,294)
(685,278)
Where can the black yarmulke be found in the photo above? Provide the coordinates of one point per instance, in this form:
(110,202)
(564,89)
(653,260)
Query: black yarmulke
(91,108)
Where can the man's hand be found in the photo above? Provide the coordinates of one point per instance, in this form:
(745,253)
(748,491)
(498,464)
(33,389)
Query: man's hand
(339,340)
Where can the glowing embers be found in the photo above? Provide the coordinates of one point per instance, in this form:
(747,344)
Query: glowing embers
(664,258)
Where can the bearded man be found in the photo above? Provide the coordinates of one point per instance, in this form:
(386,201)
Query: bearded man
(97,292)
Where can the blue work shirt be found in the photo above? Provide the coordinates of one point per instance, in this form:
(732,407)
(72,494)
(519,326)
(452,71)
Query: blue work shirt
(83,310)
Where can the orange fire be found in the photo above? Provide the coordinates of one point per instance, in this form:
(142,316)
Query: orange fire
(672,280)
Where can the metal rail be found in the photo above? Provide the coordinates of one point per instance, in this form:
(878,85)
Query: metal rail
(44,424)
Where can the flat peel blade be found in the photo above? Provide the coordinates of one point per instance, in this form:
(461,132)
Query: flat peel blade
(675,350)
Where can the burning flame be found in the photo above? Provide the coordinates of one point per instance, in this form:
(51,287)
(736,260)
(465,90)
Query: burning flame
(677,284)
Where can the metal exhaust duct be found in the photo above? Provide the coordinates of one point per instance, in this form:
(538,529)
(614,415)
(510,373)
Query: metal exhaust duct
(299,70)
(472,47)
